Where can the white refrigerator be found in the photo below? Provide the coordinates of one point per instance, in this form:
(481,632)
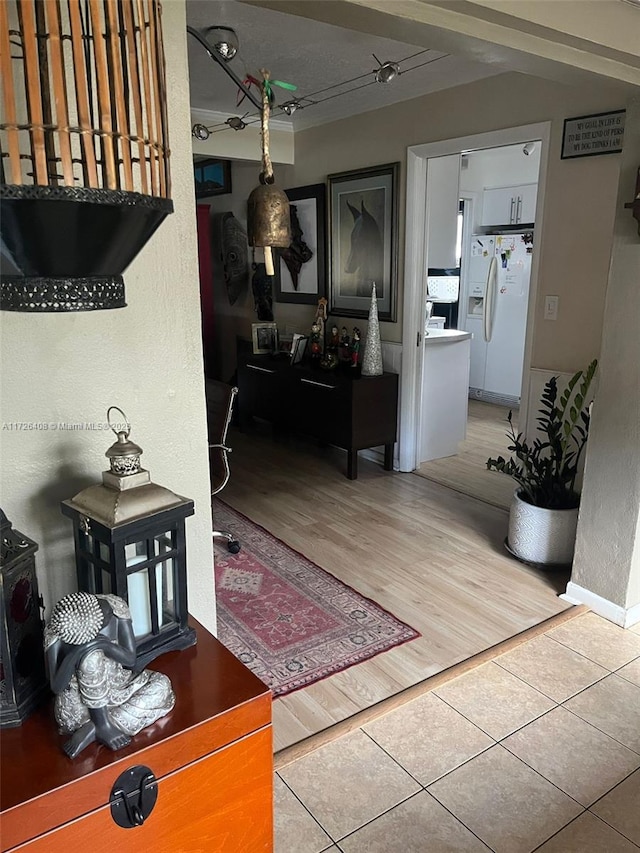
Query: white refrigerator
(496,299)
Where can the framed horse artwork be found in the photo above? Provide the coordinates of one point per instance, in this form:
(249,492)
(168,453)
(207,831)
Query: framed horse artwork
(363,234)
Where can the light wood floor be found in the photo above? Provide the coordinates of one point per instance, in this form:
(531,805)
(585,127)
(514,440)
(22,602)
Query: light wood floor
(430,555)
(467,471)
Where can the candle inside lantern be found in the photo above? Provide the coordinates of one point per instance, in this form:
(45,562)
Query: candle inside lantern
(139,592)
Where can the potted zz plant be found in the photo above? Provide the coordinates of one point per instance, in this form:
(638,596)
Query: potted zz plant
(544,510)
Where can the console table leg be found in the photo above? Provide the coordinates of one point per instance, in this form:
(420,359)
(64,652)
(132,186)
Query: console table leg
(352,464)
(388,457)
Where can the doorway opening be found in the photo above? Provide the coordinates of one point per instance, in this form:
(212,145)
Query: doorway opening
(493,246)
(483,237)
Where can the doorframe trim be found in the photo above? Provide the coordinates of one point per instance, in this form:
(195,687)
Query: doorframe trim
(415,266)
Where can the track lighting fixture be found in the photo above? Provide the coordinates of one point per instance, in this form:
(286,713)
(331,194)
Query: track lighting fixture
(289,107)
(199,131)
(528,148)
(221,50)
(386,71)
(224,41)
(236,123)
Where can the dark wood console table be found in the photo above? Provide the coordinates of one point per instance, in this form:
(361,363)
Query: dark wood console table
(336,407)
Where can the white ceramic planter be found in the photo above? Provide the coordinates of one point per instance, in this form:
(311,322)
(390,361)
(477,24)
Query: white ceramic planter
(541,535)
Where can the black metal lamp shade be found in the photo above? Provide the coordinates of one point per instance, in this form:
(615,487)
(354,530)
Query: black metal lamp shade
(84,152)
(23,679)
(70,246)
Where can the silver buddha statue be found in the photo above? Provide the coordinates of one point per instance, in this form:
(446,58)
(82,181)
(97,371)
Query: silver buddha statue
(91,649)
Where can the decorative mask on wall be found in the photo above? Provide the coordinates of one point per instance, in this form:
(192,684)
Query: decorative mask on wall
(84,179)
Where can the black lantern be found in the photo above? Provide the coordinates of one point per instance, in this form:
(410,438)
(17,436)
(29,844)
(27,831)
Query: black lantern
(23,679)
(130,541)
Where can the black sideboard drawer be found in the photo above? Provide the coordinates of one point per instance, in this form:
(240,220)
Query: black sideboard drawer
(352,412)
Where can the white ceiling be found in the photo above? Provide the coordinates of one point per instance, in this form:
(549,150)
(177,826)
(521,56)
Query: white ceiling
(314,56)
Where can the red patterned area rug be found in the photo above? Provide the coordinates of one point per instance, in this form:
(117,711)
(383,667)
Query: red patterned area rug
(291,622)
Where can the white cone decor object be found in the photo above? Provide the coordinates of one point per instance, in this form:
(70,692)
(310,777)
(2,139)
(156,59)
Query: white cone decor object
(372,359)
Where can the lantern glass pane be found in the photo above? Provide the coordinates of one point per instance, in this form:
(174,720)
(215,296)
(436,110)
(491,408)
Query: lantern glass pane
(139,601)
(86,542)
(135,552)
(164,575)
(106,582)
(168,604)
(103,551)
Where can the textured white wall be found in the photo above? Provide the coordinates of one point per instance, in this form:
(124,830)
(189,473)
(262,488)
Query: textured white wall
(146,358)
(607,559)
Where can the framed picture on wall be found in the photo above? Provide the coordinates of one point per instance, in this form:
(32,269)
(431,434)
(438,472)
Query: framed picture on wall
(301,275)
(212,177)
(363,237)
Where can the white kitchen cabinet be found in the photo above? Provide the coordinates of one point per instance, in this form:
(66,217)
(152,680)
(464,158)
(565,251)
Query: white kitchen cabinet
(442,210)
(509,205)
(445,393)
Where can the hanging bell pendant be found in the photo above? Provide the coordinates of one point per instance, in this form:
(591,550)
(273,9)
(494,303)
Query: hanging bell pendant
(268,218)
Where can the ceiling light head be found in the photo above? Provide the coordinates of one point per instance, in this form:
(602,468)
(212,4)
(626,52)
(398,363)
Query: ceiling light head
(199,131)
(289,107)
(528,148)
(224,41)
(236,123)
(386,71)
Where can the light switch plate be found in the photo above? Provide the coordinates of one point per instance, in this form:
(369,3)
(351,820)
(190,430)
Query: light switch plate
(551,308)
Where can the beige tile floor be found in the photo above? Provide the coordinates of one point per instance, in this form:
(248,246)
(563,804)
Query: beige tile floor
(537,750)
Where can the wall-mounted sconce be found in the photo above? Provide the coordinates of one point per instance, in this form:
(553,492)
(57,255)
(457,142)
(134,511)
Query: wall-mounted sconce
(84,178)
(634,206)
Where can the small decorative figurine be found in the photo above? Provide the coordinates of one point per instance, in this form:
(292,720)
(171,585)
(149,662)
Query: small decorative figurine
(345,346)
(315,343)
(321,312)
(355,347)
(329,360)
(90,648)
(334,341)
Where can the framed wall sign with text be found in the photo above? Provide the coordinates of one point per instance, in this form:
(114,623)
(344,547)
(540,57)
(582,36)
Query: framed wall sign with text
(585,136)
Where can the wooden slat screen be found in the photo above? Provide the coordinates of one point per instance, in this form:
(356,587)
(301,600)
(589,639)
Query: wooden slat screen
(83,95)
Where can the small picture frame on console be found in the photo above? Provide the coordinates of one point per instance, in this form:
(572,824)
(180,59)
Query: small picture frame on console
(265,338)
(298,348)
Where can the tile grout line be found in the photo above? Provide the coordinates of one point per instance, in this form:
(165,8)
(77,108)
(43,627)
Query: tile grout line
(519,728)
(586,657)
(306,809)
(424,787)
(603,819)
(575,714)
(558,702)
(422,790)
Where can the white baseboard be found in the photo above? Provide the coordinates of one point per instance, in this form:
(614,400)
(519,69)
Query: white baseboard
(602,606)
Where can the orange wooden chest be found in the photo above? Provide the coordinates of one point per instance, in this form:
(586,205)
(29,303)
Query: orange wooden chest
(212,759)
